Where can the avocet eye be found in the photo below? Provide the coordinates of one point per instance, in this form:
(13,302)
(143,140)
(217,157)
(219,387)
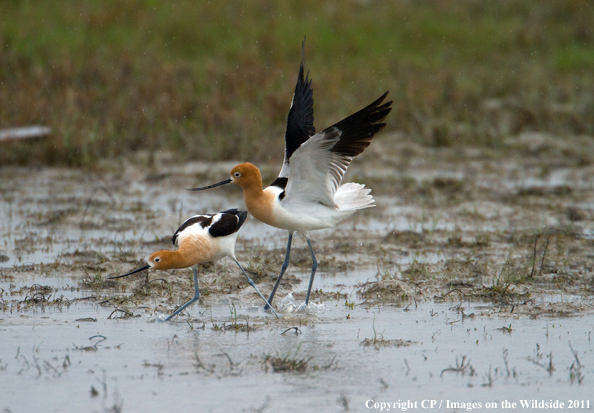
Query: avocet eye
(237,174)
(157,259)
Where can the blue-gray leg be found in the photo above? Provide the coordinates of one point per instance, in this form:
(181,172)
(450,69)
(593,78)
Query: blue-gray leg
(195,298)
(314,266)
(283,269)
(251,282)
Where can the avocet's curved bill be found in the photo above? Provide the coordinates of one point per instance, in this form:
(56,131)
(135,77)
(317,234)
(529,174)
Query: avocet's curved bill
(226,181)
(146,267)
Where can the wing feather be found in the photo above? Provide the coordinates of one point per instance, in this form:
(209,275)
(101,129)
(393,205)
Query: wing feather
(319,164)
(300,121)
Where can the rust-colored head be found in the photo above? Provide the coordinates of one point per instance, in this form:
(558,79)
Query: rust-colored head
(166,260)
(247,176)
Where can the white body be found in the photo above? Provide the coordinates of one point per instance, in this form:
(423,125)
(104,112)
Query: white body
(315,198)
(303,215)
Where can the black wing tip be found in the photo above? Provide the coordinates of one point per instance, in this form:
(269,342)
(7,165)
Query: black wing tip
(376,104)
(382,97)
(371,115)
(233,211)
(378,110)
(300,78)
(380,113)
(242,216)
(358,129)
(303,87)
(300,121)
(303,50)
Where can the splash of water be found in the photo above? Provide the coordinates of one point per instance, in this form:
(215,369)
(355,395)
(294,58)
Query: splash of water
(289,306)
(156,317)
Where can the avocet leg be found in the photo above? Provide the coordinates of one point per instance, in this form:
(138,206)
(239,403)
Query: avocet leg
(251,282)
(195,298)
(283,269)
(314,266)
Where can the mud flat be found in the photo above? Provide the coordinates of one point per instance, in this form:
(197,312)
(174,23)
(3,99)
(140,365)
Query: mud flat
(470,282)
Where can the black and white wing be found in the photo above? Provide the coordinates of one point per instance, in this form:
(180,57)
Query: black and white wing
(300,121)
(229,223)
(203,221)
(217,225)
(318,165)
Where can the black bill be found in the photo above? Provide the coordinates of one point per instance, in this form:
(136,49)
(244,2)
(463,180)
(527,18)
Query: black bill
(146,267)
(226,181)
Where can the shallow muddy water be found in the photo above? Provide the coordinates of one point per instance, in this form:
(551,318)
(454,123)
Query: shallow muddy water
(471,281)
(354,354)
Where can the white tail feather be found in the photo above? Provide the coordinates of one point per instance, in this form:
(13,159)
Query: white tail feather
(352,196)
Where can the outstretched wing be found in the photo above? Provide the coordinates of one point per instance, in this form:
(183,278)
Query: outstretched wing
(318,165)
(300,121)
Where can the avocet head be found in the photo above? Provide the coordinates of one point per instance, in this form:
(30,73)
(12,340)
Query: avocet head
(168,260)
(160,260)
(244,175)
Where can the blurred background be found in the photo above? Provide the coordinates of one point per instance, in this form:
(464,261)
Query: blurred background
(214,80)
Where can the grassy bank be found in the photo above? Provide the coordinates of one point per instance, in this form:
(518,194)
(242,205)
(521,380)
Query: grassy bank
(214,80)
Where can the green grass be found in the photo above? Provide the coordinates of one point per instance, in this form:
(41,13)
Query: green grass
(214,80)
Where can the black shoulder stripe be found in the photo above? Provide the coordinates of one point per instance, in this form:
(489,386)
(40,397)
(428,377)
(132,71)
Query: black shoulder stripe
(204,221)
(241,215)
(280,182)
(300,121)
(359,128)
(226,225)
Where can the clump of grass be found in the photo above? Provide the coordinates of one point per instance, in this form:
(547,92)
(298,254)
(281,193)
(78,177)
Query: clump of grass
(96,281)
(38,295)
(462,367)
(482,239)
(379,341)
(539,359)
(381,290)
(575,370)
(234,323)
(258,264)
(417,271)
(286,364)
